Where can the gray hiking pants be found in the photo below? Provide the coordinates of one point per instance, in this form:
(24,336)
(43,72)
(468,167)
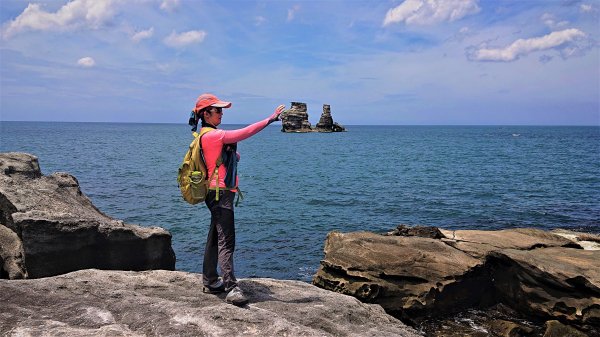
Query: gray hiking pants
(220,243)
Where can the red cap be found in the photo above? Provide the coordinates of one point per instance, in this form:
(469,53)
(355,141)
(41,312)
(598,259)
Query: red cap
(206,100)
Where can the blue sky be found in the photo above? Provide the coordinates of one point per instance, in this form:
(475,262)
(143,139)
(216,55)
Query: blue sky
(375,62)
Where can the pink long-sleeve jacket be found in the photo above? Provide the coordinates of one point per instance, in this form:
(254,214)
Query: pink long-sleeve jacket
(212,144)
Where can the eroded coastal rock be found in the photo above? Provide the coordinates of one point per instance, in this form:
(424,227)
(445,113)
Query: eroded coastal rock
(326,123)
(168,303)
(295,119)
(541,275)
(48,226)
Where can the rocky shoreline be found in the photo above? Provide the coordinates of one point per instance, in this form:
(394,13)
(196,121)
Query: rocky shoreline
(549,278)
(49,227)
(171,303)
(51,235)
(66,268)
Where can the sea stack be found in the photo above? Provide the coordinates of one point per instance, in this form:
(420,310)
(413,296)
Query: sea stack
(295,119)
(326,123)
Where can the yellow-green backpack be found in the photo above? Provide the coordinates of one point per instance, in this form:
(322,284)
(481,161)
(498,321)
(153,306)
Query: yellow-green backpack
(191,177)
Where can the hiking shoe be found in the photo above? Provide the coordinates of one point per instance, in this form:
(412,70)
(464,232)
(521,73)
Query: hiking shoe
(236,297)
(215,288)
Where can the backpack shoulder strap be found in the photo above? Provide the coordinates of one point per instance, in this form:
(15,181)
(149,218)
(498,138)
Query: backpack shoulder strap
(205,130)
(218,163)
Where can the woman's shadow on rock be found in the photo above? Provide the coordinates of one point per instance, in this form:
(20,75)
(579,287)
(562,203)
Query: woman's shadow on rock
(258,293)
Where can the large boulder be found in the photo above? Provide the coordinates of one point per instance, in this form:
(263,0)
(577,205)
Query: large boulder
(539,274)
(49,227)
(408,276)
(167,303)
(550,282)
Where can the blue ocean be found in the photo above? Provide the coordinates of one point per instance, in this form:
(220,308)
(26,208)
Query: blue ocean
(299,187)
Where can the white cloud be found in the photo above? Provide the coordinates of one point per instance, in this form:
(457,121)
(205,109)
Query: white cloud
(169,5)
(86,62)
(164,67)
(586,8)
(565,40)
(259,20)
(428,12)
(183,39)
(462,34)
(550,21)
(144,34)
(75,14)
(292,13)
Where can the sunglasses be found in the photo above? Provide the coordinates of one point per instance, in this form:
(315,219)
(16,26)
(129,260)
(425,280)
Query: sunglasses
(217,110)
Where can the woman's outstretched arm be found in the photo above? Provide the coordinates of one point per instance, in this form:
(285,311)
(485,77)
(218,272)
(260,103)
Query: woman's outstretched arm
(234,136)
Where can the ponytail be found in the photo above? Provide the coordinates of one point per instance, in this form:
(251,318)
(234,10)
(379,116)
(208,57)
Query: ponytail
(198,116)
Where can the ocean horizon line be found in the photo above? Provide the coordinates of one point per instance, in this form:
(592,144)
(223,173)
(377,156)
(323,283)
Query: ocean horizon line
(350,125)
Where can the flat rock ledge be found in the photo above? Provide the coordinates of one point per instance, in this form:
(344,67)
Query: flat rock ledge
(49,227)
(412,273)
(171,303)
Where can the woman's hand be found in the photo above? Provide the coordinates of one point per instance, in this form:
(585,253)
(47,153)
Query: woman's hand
(275,116)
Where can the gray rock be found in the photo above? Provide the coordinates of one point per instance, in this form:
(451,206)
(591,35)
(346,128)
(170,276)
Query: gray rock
(20,164)
(11,255)
(166,303)
(421,231)
(56,228)
(540,274)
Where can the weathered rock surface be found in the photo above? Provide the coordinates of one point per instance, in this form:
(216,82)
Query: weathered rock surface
(539,274)
(420,231)
(496,321)
(549,282)
(557,329)
(411,275)
(480,243)
(167,303)
(49,227)
(326,123)
(11,255)
(295,119)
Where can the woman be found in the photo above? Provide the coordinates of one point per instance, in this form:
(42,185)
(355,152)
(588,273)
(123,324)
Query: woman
(221,144)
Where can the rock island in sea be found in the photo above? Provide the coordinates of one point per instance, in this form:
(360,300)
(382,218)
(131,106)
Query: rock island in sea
(295,119)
